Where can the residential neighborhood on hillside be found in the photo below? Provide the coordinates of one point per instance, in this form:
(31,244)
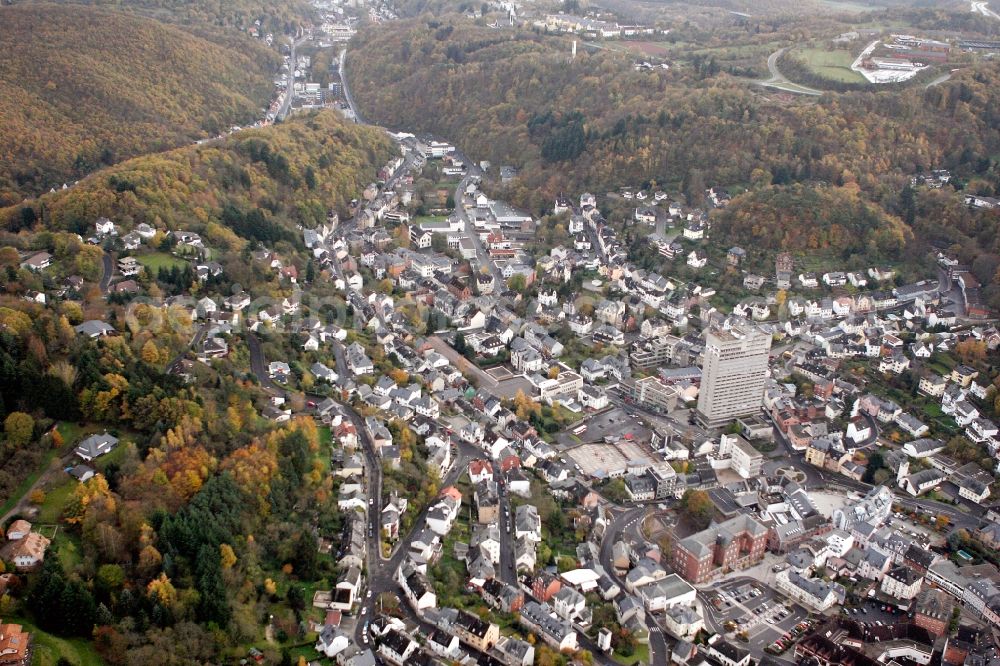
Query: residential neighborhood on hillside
(333,388)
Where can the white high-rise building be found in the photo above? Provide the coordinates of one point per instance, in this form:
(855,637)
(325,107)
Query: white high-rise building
(733,374)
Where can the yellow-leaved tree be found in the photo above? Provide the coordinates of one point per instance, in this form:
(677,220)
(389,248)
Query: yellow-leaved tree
(227,556)
(92,493)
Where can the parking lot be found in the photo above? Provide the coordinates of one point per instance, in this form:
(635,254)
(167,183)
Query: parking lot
(904,525)
(615,423)
(756,611)
(872,612)
(766,633)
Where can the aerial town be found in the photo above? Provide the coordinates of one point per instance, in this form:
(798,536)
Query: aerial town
(377,410)
(618,466)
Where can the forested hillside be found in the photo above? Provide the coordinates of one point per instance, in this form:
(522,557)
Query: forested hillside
(257,183)
(802,218)
(278,17)
(86,87)
(521,100)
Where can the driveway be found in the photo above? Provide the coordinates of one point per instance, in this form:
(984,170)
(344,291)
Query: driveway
(258,364)
(108,265)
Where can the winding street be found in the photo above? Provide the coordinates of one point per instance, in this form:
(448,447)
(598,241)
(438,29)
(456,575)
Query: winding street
(199,335)
(939,80)
(258,364)
(780,82)
(984,9)
(628,521)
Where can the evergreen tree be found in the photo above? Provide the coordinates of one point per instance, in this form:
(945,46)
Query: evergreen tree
(461,346)
(213,605)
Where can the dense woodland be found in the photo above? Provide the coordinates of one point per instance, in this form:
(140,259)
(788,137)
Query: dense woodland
(256,184)
(673,127)
(803,218)
(85,88)
(279,17)
(193,535)
(519,99)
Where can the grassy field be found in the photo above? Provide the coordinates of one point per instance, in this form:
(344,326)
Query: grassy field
(55,501)
(68,548)
(848,6)
(834,65)
(307,651)
(640,656)
(154,262)
(933,411)
(49,649)
(70,432)
(656,49)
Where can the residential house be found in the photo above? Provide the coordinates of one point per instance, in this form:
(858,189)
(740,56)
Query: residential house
(544,621)
(95,446)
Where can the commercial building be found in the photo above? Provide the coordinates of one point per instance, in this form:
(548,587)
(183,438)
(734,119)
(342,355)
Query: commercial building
(654,351)
(651,393)
(743,458)
(665,593)
(902,582)
(733,374)
(737,543)
(564,387)
(873,508)
(814,593)
(932,611)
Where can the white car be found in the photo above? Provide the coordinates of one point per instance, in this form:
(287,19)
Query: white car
(369,595)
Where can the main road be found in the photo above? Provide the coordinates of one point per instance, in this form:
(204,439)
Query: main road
(780,82)
(984,9)
(347,90)
(286,106)
(482,256)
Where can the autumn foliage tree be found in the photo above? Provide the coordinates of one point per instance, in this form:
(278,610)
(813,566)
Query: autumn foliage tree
(18,429)
(697,507)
